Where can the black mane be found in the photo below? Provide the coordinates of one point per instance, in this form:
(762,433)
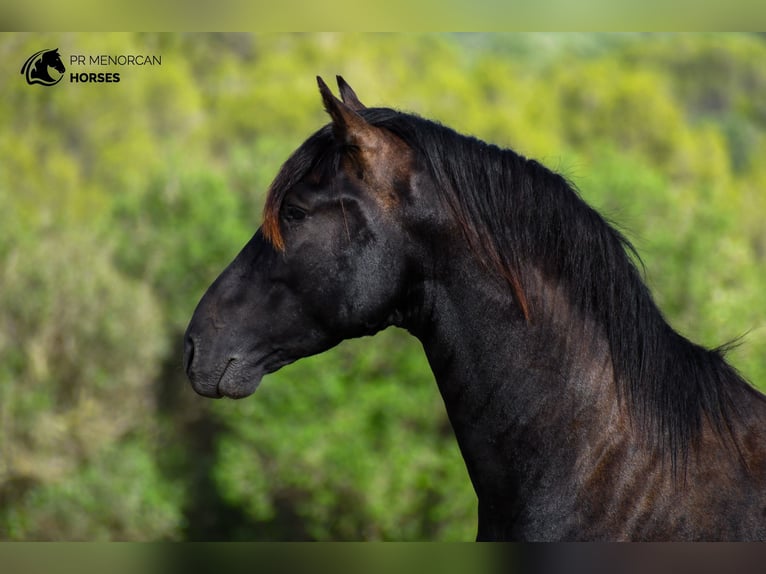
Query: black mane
(518,215)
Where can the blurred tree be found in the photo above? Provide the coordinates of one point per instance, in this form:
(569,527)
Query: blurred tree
(79,345)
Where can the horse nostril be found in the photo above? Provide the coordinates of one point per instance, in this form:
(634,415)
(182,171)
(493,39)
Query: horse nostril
(188,353)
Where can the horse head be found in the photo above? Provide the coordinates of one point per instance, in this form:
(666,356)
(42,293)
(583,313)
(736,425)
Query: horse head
(52,59)
(330,262)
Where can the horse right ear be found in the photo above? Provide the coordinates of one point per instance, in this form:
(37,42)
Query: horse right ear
(348,95)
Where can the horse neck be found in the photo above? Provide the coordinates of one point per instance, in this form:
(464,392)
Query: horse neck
(519,394)
(41,70)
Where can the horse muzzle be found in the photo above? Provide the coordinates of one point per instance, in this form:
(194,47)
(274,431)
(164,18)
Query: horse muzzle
(230,376)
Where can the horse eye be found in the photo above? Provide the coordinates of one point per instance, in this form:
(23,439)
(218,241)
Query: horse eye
(293,213)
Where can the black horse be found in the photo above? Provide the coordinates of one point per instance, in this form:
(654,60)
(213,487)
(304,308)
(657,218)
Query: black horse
(580,413)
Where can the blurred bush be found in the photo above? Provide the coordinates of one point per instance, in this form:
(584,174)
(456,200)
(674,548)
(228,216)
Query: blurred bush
(119,205)
(79,351)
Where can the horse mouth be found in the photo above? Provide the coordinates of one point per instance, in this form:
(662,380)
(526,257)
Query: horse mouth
(237,382)
(239,377)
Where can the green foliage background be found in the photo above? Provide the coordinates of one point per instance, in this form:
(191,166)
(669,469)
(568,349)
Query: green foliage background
(120,203)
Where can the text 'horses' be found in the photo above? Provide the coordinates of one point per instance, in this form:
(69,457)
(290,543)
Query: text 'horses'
(580,413)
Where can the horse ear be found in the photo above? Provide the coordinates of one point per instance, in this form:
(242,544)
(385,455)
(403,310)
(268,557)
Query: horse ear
(347,125)
(348,95)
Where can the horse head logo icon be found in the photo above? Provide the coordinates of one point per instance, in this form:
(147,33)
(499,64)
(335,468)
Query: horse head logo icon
(37,67)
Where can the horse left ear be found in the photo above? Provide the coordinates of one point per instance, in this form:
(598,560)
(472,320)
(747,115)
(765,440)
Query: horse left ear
(347,124)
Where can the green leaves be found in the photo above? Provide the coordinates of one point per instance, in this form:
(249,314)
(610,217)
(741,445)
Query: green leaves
(119,206)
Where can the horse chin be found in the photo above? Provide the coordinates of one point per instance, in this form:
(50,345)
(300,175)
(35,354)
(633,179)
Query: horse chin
(233,383)
(239,385)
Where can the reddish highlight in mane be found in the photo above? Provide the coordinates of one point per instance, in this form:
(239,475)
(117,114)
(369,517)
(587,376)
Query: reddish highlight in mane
(270,228)
(483,246)
(518,292)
